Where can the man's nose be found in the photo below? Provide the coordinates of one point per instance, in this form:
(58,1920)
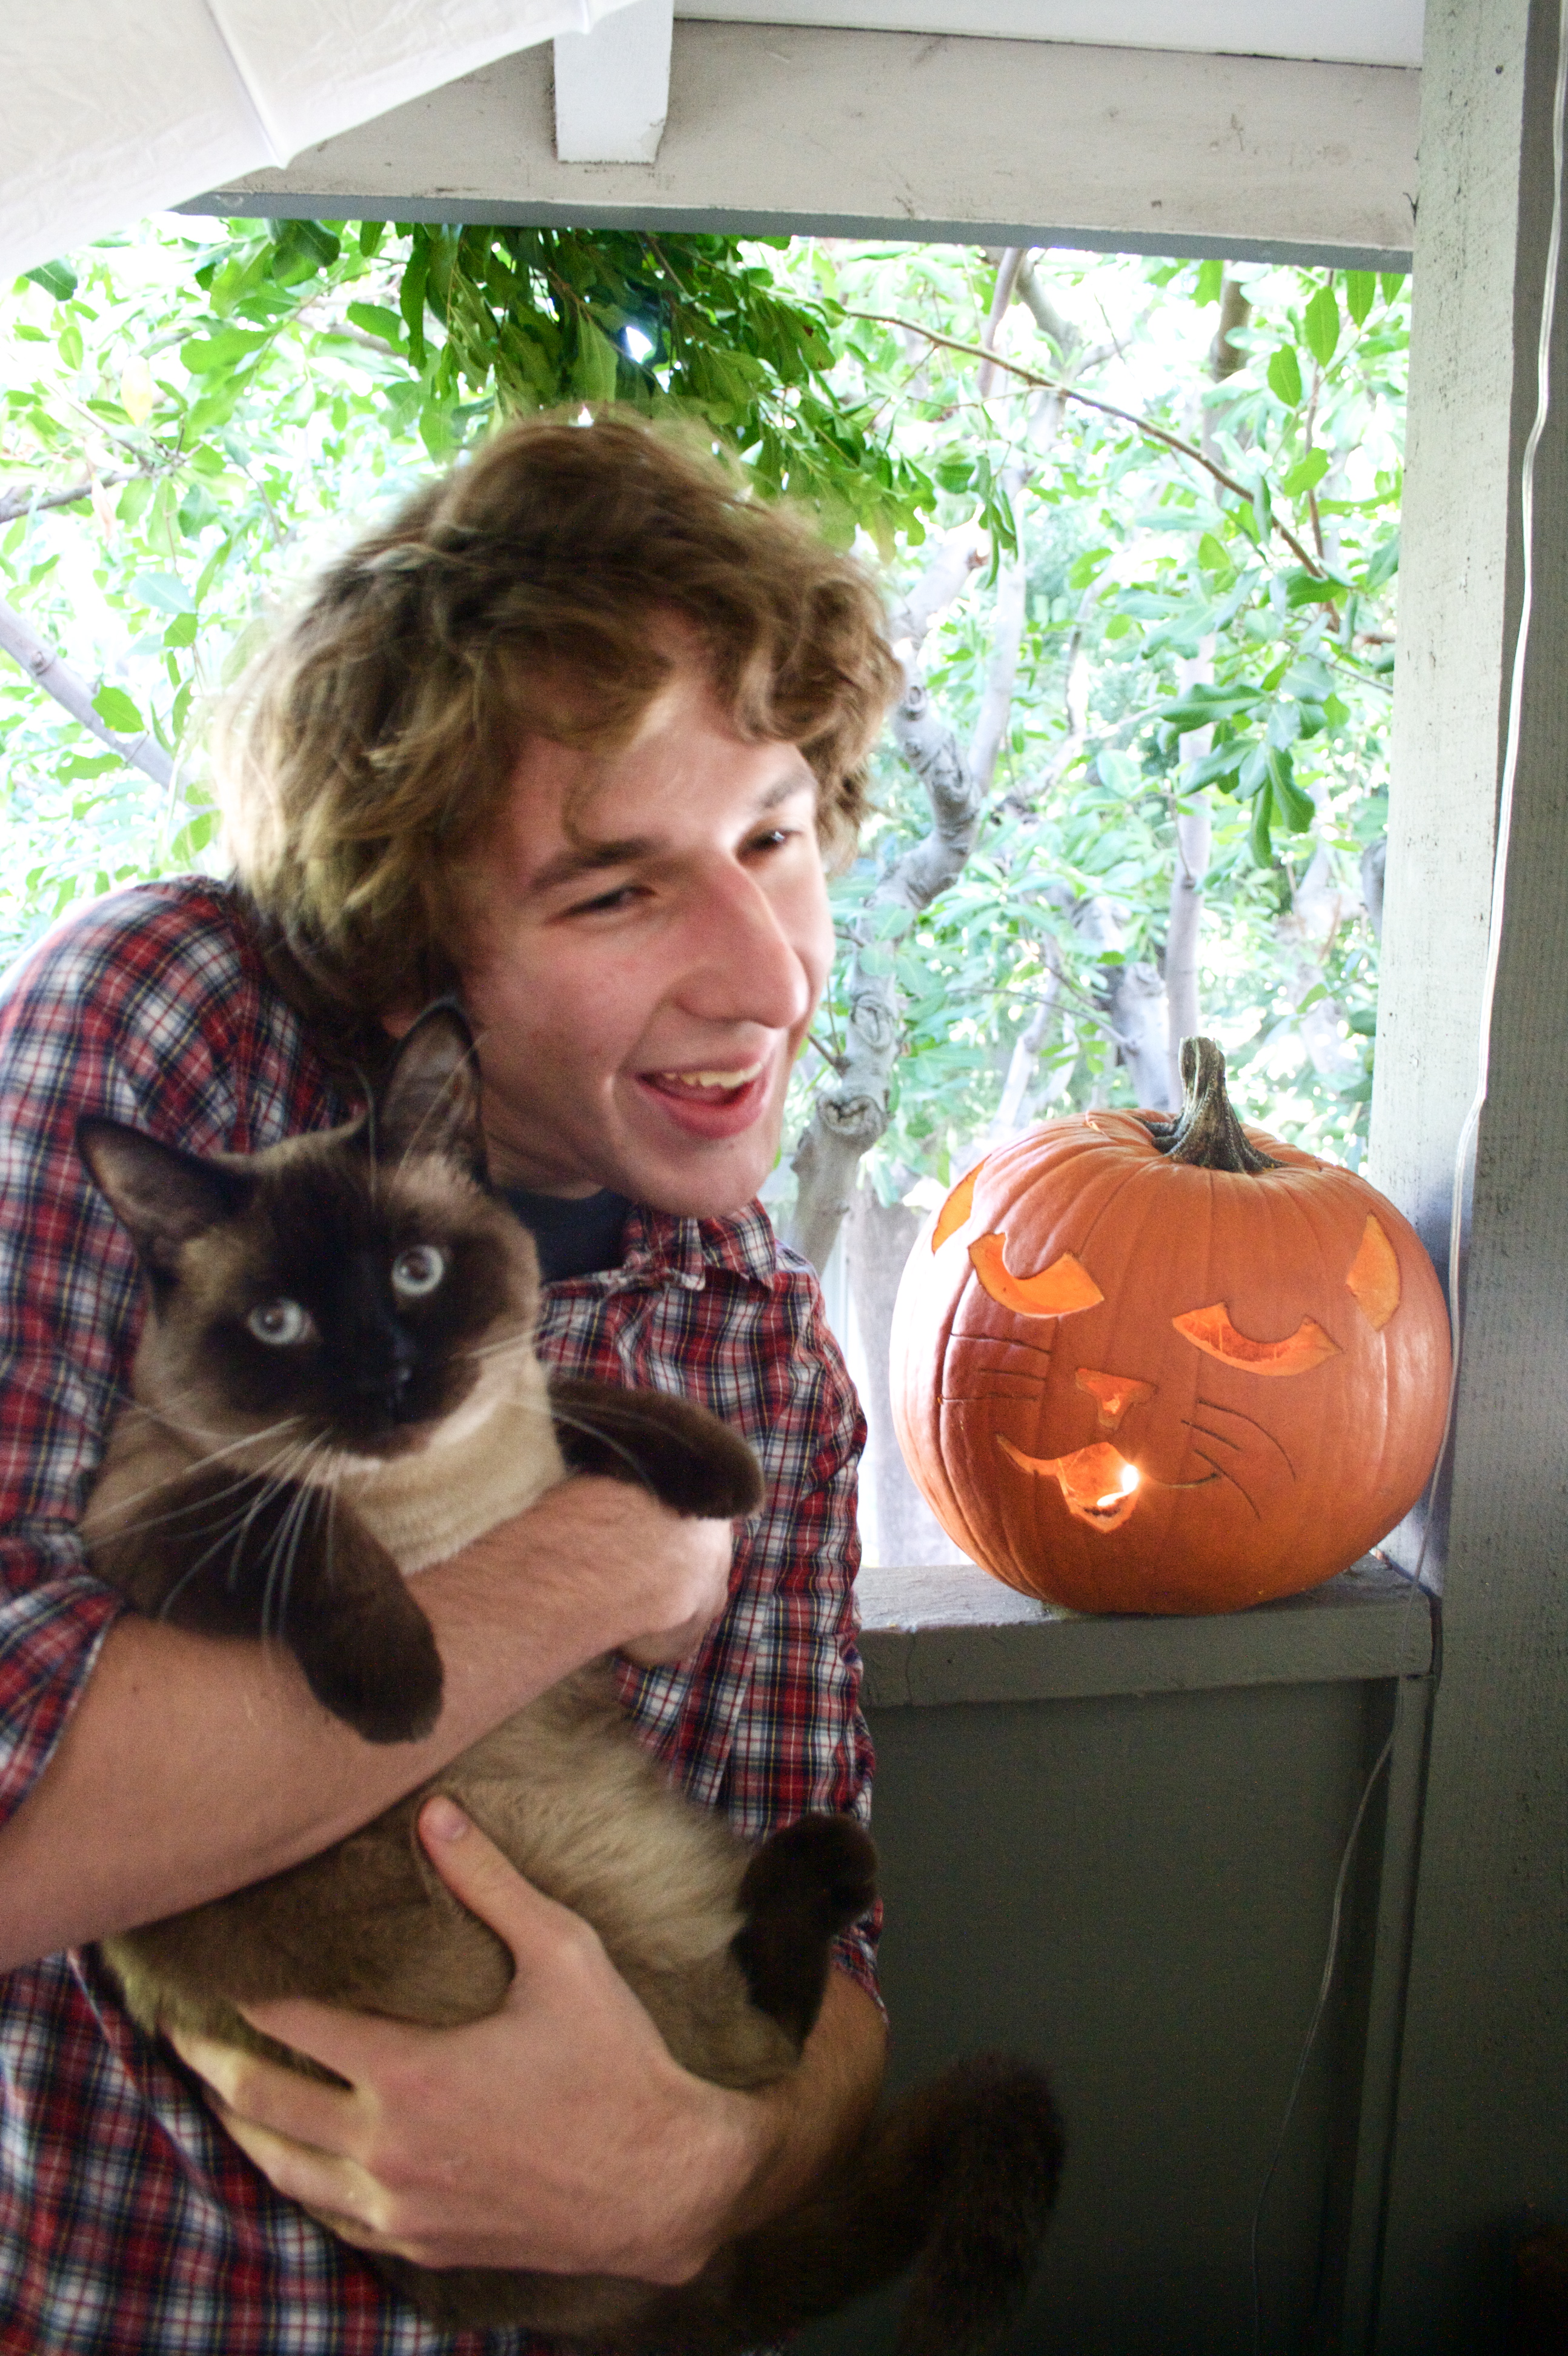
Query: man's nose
(744,966)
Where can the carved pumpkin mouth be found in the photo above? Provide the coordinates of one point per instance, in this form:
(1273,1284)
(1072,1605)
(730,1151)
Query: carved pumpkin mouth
(1097,1482)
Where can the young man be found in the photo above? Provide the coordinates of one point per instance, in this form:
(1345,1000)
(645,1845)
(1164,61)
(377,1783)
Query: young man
(567,736)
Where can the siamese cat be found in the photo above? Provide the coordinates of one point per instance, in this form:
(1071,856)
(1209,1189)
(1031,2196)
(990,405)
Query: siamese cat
(336,1387)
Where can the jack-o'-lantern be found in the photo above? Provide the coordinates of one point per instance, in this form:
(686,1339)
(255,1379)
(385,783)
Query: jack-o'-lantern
(1145,1365)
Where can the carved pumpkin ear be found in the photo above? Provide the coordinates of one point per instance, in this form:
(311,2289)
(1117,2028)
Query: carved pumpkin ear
(1053,1292)
(1374,1277)
(955,1210)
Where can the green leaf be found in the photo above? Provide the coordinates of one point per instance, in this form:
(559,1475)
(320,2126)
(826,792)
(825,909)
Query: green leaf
(181,631)
(375,319)
(1296,808)
(1086,569)
(1303,588)
(165,591)
(1211,282)
(1360,292)
(1320,326)
(213,355)
(1261,836)
(1306,475)
(1211,769)
(1285,376)
(115,708)
(1384,564)
(1214,556)
(1202,704)
(69,346)
(1392,281)
(56,278)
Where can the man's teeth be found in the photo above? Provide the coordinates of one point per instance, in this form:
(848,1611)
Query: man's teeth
(708,1079)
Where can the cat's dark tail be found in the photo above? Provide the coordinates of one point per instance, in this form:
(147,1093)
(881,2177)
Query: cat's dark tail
(957,2179)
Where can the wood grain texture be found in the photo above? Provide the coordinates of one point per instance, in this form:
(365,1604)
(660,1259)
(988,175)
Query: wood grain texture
(1482,2125)
(774,128)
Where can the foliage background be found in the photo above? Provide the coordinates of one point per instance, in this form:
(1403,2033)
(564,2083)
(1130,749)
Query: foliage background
(196,414)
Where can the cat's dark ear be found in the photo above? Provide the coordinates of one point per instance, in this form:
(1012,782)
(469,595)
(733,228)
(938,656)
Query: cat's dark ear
(165,1196)
(429,1100)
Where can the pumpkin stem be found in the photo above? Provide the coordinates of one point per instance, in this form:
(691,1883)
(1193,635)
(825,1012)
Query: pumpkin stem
(1206,1134)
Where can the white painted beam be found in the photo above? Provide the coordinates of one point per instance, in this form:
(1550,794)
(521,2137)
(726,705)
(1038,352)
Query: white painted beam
(611,87)
(772,129)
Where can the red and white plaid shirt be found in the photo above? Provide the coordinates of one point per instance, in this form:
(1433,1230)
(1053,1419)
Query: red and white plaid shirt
(128,2220)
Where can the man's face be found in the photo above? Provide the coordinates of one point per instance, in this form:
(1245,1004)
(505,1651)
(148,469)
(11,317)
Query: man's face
(641,985)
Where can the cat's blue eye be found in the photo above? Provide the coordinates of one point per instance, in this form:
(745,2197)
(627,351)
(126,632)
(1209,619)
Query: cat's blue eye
(279,1323)
(418,1269)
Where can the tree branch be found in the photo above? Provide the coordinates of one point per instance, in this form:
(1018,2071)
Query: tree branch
(29,502)
(1106,409)
(46,665)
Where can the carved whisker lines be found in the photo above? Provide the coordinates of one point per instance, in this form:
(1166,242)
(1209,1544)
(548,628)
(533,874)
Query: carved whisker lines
(1214,1408)
(1204,1457)
(979,1398)
(998,1342)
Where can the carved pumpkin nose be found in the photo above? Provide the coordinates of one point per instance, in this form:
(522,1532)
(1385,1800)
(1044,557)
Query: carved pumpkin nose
(1114,1394)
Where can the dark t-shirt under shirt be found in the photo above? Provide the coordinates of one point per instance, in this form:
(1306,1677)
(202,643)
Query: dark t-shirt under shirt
(575,1234)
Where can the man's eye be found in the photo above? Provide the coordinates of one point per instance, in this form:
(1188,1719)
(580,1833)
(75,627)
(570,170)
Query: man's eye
(622,897)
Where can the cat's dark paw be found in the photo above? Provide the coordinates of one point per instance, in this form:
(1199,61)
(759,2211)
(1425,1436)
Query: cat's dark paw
(368,1654)
(691,1461)
(383,1701)
(804,1886)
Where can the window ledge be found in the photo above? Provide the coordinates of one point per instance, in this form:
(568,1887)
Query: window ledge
(933,1635)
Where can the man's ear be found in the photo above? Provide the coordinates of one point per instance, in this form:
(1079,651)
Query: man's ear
(164,1194)
(429,1100)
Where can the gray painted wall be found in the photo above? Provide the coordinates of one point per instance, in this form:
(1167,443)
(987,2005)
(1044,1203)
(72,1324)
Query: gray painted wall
(1135,1892)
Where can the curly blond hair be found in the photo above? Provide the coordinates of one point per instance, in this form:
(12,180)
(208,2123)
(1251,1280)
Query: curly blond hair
(368,751)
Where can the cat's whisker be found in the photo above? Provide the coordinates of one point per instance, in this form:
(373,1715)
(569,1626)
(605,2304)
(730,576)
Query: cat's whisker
(233,1529)
(283,1556)
(269,1468)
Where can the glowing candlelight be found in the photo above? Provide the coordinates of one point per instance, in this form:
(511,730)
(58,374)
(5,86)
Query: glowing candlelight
(1130,1482)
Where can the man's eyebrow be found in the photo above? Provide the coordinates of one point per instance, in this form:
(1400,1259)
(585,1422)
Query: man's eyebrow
(589,859)
(581,859)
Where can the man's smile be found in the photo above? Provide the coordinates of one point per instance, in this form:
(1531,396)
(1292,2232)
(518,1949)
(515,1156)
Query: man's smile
(708,1084)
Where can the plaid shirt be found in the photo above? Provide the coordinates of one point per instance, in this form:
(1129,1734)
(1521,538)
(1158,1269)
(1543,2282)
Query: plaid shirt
(128,2220)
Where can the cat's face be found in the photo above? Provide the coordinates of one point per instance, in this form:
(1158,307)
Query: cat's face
(350,1291)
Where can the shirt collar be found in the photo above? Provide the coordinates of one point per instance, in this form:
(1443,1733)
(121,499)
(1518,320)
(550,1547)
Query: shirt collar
(661,1248)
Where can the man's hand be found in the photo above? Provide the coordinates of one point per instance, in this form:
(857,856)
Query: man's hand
(707,1546)
(557,2133)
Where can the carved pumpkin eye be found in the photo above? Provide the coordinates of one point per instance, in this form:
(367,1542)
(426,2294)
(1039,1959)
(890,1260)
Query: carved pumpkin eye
(1213,1333)
(1053,1292)
(280,1322)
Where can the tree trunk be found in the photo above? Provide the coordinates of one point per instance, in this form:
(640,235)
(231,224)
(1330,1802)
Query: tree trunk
(879,1238)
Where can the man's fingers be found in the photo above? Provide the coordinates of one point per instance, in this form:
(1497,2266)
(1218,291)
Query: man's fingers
(490,1885)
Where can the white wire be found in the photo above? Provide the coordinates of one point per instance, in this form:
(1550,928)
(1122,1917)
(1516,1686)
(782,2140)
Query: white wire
(1469,1130)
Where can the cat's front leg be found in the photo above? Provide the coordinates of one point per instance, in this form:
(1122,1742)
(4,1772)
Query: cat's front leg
(232,1554)
(690,1461)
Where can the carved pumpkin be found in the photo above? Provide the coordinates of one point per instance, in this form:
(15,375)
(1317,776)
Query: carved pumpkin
(1142,1364)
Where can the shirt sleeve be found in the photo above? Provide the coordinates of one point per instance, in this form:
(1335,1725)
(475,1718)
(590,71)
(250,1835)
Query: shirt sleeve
(100,1019)
(804,1747)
